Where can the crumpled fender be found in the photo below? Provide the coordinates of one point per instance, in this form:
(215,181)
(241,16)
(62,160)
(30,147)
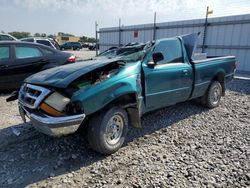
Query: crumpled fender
(97,97)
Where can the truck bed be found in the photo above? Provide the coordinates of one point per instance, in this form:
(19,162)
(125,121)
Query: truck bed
(207,69)
(212,58)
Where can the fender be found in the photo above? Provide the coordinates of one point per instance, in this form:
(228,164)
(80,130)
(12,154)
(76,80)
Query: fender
(97,97)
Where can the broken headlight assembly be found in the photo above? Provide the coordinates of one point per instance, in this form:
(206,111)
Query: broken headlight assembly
(55,104)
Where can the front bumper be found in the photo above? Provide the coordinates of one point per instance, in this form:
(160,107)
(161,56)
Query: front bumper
(53,126)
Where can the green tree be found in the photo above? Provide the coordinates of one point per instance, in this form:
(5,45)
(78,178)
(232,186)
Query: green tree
(87,39)
(65,34)
(19,35)
(37,35)
(53,36)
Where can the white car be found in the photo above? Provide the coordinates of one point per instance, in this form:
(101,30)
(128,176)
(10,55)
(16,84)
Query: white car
(6,37)
(45,41)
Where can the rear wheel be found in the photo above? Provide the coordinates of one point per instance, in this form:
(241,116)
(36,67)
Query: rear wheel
(213,95)
(107,131)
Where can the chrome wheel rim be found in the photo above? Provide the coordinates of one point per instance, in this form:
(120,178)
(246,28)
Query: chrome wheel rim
(114,129)
(216,94)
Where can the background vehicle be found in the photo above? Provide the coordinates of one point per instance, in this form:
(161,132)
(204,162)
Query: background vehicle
(18,60)
(45,41)
(107,94)
(93,46)
(85,45)
(71,45)
(6,37)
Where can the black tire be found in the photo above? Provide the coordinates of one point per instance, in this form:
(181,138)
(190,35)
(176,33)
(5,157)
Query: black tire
(213,96)
(100,124)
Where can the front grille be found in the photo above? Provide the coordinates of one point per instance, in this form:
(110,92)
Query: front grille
(31,96)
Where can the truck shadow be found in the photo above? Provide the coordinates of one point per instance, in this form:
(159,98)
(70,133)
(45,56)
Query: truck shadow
(30,159)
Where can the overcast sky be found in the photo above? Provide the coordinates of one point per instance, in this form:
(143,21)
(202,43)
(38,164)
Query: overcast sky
(78,16)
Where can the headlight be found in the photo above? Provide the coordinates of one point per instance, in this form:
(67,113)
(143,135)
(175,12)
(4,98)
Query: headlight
(57,101)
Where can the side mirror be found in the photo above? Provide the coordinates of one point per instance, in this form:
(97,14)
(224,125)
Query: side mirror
(158,56)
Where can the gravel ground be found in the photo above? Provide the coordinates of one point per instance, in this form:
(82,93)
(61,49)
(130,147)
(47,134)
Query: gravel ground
(180,146)
(82,54)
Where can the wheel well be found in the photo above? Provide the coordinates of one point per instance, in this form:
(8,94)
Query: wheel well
(124,100)
(220,77)
(127,101)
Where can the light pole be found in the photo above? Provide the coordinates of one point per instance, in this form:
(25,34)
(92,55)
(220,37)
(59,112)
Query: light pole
(205,29)
(96,38)
(154,33)
(119,32)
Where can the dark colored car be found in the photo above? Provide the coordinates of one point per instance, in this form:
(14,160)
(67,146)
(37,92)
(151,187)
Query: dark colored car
(93,46)
(71,45)
(19,60)
(85,45)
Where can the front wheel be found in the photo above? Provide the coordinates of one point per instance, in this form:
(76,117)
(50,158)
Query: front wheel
(213,95)
(107,131)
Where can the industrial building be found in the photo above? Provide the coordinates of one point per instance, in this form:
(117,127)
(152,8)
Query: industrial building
(228,35)
(62,39)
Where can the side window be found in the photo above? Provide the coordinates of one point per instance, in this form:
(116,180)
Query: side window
(172,51)
(6,38)
(28,40)
(4,53)
(27,52)
(47,51)
(44,42)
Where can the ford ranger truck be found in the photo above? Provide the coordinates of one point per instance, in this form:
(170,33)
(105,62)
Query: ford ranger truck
(106,95)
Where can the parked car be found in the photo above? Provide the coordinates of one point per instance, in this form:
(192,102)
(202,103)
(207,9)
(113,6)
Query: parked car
(93,46)
(71,46)
(106,95)
(6,37)
(19,60)
(85,45)
(45,41)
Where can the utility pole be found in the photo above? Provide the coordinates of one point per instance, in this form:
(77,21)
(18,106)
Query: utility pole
(154,32)
(96,38)
(205,29)
(119,37)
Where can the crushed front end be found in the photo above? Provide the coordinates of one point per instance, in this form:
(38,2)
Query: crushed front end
(47,110)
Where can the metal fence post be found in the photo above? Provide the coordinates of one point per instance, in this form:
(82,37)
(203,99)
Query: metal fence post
(205,32)
(119,32)
(96,38)
(154,32)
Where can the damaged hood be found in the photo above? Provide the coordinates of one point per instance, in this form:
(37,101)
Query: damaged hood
(62,76)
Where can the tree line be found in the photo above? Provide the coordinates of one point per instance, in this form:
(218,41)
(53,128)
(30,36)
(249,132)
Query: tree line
(23,34)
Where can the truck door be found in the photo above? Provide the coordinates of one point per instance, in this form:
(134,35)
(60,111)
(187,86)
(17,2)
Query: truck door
(170,80)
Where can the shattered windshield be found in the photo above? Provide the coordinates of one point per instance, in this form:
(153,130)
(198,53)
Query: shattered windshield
(128,54)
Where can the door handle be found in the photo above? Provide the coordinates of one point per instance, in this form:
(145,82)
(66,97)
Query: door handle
(185,72)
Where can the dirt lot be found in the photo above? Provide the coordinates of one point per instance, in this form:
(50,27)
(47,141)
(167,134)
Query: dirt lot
(182,146)
(82,54)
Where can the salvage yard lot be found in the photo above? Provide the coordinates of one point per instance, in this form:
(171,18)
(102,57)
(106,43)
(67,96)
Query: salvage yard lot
(183,146)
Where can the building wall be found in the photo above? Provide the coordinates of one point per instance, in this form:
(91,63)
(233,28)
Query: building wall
(63,39)
(225,36)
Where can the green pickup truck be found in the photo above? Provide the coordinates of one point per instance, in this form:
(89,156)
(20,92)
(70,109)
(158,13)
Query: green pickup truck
(110,92)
